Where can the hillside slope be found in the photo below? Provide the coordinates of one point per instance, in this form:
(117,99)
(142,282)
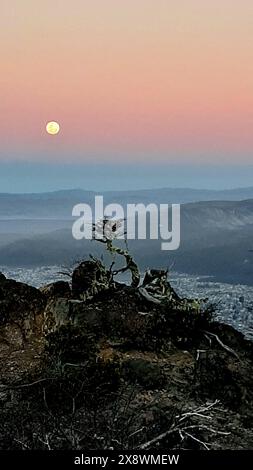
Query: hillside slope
(103,368)
(216,239)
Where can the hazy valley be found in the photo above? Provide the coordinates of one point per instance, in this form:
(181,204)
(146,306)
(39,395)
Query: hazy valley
(216,235)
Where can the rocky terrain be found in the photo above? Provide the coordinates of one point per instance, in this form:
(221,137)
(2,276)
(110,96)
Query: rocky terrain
(94,364)
(233,302)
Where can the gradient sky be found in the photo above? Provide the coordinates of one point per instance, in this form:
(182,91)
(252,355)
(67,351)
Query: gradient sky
(128,80)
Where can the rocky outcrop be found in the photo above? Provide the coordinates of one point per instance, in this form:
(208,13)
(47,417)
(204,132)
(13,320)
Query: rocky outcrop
(89,278)
(21,312)
(177,363)
(59,289)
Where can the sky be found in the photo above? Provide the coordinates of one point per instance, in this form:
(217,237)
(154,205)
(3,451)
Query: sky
(146,82)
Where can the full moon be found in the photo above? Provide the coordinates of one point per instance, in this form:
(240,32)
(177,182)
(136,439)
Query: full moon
(52,128)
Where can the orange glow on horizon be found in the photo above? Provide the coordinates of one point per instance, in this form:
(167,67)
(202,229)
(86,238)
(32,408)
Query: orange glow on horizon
(143,75)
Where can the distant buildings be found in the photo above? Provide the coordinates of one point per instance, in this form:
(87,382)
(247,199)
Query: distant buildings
(234,303)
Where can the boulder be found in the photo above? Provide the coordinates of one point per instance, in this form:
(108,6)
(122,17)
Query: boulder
(63,311)
(21,311)
(2,277)
(57,289)
(56,314)
(89,278)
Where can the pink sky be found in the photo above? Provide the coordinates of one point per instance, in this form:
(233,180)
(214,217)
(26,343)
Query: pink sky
(170,80)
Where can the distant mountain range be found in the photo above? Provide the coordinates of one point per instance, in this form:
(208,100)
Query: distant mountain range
(60,203)
(217,235)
